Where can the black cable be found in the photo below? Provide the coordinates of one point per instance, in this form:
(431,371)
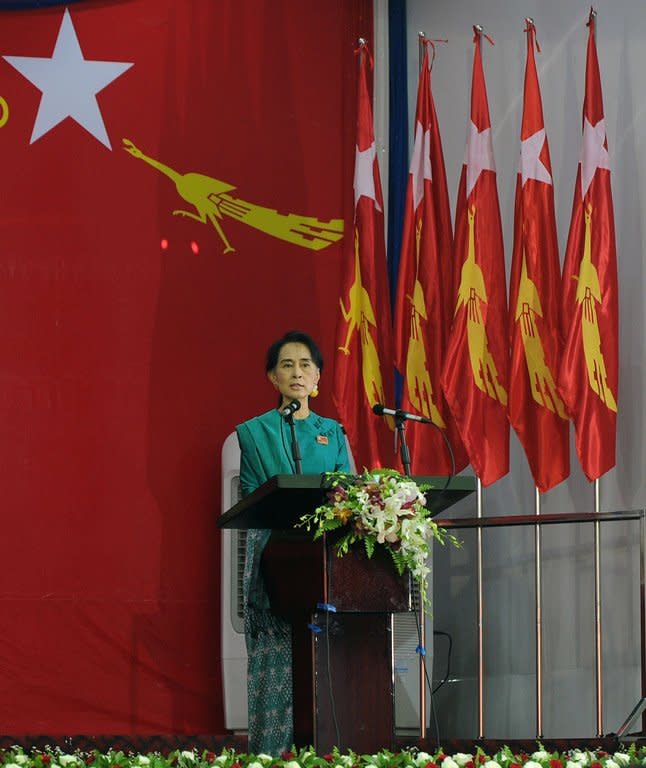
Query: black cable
(329,680)
(416,598)
(439,496)
(448,658)
(329,669)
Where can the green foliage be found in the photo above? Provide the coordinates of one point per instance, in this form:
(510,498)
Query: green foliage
(54,757)
(380,508)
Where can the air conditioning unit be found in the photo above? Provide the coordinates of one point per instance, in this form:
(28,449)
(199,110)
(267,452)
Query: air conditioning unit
(234,651)
(406,668)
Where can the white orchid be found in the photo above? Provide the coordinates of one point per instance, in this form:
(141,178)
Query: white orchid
(380,507)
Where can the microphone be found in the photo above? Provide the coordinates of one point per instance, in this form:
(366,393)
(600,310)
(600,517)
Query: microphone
(290,410)
(381,410)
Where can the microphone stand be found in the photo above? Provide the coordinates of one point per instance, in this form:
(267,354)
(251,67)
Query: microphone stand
(296,451)
(403,446)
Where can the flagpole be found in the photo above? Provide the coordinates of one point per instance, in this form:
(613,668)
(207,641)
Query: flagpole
(539,618)
(597,566)
(422,618)
(597,609)
(480,613)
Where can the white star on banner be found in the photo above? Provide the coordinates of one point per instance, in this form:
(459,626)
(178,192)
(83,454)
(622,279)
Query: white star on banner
(478,155)
(593,154)
(364,174)
(531,166)
(68,83)
(420,160)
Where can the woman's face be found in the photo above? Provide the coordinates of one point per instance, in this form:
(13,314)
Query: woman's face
(295,374)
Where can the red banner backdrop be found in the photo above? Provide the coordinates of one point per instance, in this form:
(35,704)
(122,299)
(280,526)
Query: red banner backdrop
(175,176)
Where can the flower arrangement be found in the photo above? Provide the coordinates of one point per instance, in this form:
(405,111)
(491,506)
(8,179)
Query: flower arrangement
(632,755)
(379,507)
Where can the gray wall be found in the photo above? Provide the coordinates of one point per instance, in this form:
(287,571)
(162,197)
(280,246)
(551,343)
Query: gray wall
(569,703)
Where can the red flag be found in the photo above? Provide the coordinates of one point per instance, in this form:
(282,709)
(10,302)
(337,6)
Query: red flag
(363,374)
(536,410)
(589,369)
(474,376)
(424,292)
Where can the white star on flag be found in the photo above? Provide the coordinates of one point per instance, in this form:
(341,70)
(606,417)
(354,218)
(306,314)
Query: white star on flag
(593,154)
(421,160)
(531,166)
(68,83)
(478,155)
(364,174)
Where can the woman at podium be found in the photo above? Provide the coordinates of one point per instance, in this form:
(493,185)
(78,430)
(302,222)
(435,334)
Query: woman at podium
(294,365)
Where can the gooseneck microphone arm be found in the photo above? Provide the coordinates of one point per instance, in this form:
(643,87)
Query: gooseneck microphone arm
(296,451)
(288,414)
(400,420)
(381,410)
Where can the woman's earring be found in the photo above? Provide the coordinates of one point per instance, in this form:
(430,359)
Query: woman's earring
(315,391)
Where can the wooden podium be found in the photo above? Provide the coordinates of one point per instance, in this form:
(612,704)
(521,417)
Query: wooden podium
(341,614)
